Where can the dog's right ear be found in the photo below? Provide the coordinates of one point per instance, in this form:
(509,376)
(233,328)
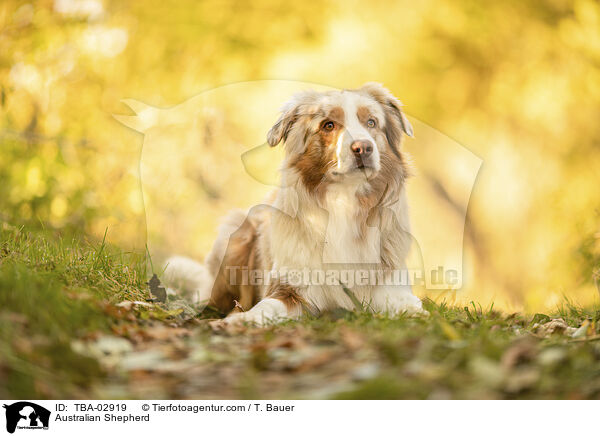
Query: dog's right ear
(302,104)
(279,132)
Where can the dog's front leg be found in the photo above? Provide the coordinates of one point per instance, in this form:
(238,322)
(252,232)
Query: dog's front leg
(269,310)
(282,302)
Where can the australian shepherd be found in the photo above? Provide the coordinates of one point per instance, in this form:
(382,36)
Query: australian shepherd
(335,234)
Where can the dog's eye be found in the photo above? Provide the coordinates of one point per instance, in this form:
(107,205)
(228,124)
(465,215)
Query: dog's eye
(371,122)
(329,125)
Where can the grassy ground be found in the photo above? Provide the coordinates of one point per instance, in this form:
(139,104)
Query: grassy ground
(66,333)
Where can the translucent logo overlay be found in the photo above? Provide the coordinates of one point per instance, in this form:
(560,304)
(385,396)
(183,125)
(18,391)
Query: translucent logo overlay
(208,155)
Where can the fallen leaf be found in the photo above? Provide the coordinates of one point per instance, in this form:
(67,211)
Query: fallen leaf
(156,290)
(187,311)
(583,330)
(111,345)
(522,351)
(555,326)
(162,333)
(128,305)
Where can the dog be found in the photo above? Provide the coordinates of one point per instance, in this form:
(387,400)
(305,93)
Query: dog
(341,208)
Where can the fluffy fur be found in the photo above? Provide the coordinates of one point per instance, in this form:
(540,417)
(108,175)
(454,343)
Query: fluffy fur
(342,206)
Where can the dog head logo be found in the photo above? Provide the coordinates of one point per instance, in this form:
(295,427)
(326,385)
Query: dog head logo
(26,415)
(191,158)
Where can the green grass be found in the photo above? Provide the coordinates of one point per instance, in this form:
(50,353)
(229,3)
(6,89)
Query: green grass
(51,291)
(58,295)
(470,353)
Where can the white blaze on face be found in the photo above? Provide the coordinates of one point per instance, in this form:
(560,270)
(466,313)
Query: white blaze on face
(354,130)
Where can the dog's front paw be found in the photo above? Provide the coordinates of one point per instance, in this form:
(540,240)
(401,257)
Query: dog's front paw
(420,311)
(397,301)
(408,308)
(231,323)
(266,312)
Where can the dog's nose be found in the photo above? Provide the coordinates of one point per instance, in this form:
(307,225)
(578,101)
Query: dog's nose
(362,148)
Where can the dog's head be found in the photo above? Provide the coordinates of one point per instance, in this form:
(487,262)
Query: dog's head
(340,136)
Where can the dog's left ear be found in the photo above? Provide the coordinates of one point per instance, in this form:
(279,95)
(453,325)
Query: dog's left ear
(395,120)
(406,126)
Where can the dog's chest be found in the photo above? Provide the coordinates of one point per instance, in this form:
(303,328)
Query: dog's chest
(342,229)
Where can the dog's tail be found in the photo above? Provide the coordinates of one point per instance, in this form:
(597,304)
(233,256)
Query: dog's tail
(189,277)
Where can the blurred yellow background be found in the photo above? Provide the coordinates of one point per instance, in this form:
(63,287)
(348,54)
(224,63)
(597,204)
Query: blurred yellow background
(515,82)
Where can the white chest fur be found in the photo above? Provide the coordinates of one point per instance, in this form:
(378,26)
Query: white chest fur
(331,233)
(347,238)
